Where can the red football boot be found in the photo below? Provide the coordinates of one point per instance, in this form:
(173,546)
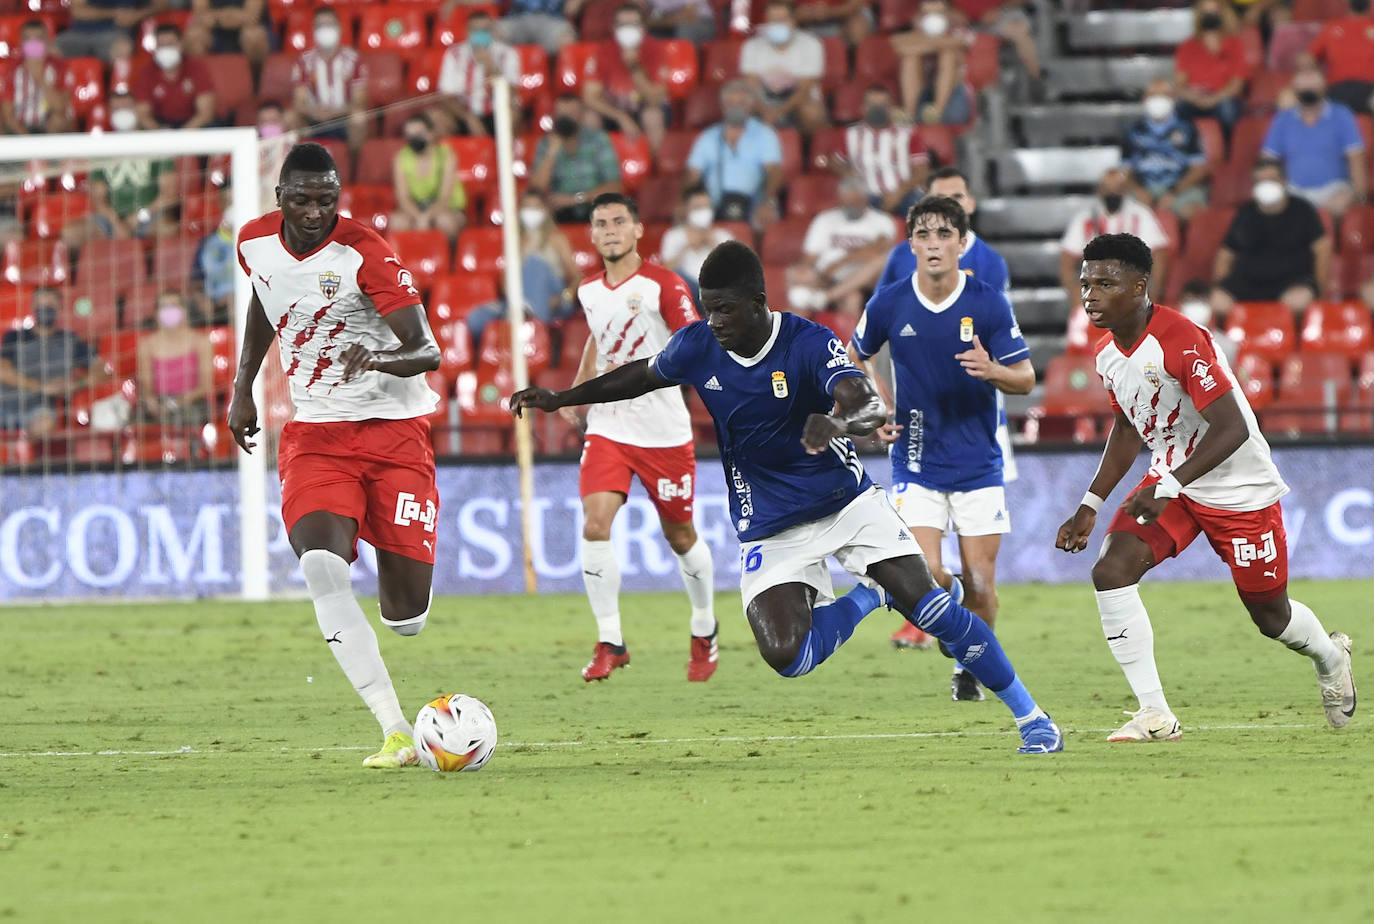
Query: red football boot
(908,636)
(703,661)
(604,660)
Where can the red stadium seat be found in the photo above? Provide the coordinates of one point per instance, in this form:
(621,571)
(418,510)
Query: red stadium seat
(385,77)
(479,251)
(939,142)
(452,296)
(35,263)
(424,253)
(659,196)
(396,26)
(54,211)
(232,80)
(673,153)
(1265,328)
(375,160)
(826,143)
(476,163)
(876,62)
(1318,10)
(811,193)
(702,108)
(15,305)
(534,73)
(635,159)
(422,69)
(1315,370)
(275,81)
(1072,386)
(836,72)
(1357,230)
(454,28)
(173,259)
(720,60)
(842,324)
(573,334)
(681,58)
(484,412)
(1255,376)
(983,64)
(1303,410)
(1265,87)
(224,357)
(85,84)
(790,141)
(584,254)
(1343,328)
(90,312)
(343,158)
(1080,337)
(570,65)
(598,20)
(782,241)
(372,205)
(1246,140)
(847,103)
(495,349)
(1205,233)
(652,241)
(120,352)
(455,349)
(894,15)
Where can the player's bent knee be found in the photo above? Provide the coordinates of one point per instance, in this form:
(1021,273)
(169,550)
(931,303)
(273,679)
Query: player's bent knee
(1112,573)
(781,656)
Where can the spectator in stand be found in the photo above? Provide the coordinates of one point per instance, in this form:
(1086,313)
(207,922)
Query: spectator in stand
(133,197)
(739,160)
(1346,47)
(934,62)
(1007,20)
(1114,212)
(1320,146)
(1210,69)
(465,97)
(1195,303)
(889,158)
(1164,154)
(541,22)
(1276,248)
(843,254)
(275,141)
(228,26)
(626,81)
(574,164)
(424,177)
(215,267)
(783,65)
(121,65)
(32,98)
(852,19)
(97,24)
(686,245)
(175,368)
(331,85)
(41,364)
(693,20)
(172,90)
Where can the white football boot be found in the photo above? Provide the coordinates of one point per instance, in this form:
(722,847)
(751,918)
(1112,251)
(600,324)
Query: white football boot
(1338,690)
(1148,724)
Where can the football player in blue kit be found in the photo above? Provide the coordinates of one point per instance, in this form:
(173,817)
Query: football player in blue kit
(785,399)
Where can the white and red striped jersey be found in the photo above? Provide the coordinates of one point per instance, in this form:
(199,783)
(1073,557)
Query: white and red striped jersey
(1162,384)
(884,157)
(322,302)
(330,80)
(462,76)
(19,86)
(1132,218)
(633,321)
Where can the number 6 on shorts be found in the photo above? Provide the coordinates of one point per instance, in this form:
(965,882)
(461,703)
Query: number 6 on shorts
(753,560)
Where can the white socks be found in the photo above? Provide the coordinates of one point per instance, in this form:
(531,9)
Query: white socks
(1305,635)
(601,577)
(698,576)
(411,626)
(1132,641)
(350,637)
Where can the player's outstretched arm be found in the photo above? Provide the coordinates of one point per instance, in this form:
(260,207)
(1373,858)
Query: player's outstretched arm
(622,383)
(1123,446)
(417,354)
(257,340)
(1226,432)
(858,412)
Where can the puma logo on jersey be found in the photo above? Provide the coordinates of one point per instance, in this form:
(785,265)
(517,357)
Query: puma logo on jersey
(713,384)
(266,281)
(907,331)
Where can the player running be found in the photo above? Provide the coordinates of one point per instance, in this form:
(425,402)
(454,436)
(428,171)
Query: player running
(786,399)
(955,348)
(356,459)
(632,308)
(1210,473)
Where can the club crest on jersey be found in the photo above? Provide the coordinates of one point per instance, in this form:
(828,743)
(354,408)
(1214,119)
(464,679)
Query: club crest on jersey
(780,384)
(329,283)
(634,303)
(966,329)
(1152,375)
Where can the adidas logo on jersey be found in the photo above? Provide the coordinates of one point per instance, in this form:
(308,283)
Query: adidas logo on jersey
(907,331)
(713,384)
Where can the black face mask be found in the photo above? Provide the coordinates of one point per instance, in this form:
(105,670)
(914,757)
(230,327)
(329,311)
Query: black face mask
(565,126)
(1112,202)
(1359,7)
(45,316)
(1209,22)
(1309,97)
(878,116)
(417,143)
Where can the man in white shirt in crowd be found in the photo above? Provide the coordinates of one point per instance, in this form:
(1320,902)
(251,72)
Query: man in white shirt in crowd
(1114,212)
(842,256)
(686,245)
(783,65)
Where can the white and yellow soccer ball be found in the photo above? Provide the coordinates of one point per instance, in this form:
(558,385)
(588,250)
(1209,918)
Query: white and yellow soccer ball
(455,732)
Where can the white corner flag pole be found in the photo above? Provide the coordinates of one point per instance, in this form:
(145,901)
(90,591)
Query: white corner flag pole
(515,314)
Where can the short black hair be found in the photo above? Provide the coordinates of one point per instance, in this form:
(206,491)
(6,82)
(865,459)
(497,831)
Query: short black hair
(940,206)
(732,266)
(1127,249)
(1265,163)
(614,198)
(269,104)
(325,9)
(697,190)
(569,98)
(631,7)
(422,118)
(167,27)
(947,173)
(307,157)
(34,24)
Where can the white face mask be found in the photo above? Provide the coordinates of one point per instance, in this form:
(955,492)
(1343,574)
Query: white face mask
(167,57)
(327,37)
(123,120)
(1268,192)
(1159,107)
(531,218)
(701,218)
(629,36)
(1200,313)
(934,23)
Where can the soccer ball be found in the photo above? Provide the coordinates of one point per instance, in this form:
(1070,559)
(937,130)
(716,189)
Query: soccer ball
(455,732)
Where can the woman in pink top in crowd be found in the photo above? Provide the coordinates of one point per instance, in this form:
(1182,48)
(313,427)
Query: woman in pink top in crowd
(175,367)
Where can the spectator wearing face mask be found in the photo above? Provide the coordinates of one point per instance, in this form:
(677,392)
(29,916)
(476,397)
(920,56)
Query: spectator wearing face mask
(626,80)
(330,82)
(783,66)
(739,161)
(843,254)
(686,245)
(1320,146)
(1114,212)
(1345,46)
(1164,154)
(574,164)
(41,364)
(175,367)
(1210,69)
(1276,248)
(933,66)
(32,99)
(465,75)
(1195,304)
(891,159)
(424,177)
(172,90)
(275,141)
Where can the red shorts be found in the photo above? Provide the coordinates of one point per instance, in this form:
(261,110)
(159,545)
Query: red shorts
(1251,542)
(666,472)
(379,473)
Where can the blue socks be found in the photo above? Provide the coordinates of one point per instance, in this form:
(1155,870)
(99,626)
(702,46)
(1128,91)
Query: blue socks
(974,646)
(831,627)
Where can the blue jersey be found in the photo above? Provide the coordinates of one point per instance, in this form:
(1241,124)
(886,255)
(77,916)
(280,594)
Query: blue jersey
(949,418)
(760,405)
(980,261)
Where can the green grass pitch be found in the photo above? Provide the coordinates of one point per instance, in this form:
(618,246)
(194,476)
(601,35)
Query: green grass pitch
(859,793)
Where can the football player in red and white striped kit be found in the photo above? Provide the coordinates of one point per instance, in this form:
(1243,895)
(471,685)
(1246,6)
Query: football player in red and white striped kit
(1210,474)
(356,460)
